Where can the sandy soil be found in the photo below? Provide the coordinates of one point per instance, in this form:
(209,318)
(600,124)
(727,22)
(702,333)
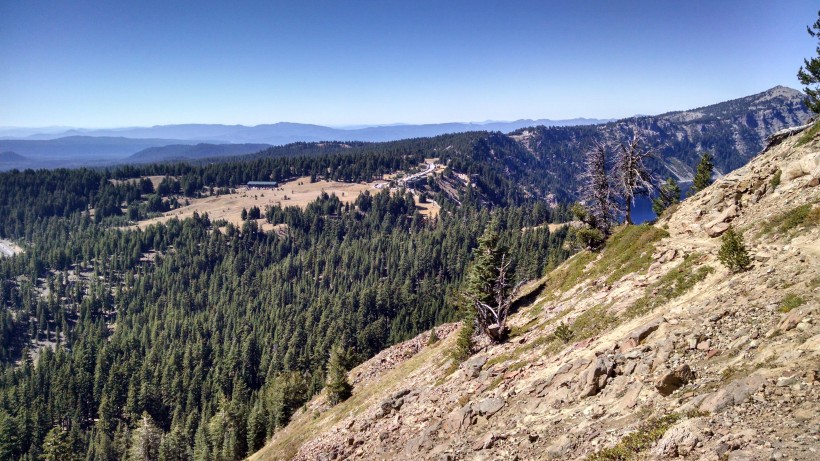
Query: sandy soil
(298,192)
(8,248)
(155,180)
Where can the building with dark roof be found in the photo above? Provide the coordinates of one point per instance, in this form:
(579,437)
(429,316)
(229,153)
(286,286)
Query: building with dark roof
(263,184)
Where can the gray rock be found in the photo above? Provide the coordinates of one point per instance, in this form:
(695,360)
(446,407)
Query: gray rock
(423,442)
(594,378)
(674,380)
(792,319)
(717,229)
(681,439)
(458,419)
(734,393)
(558,449)
(668,255)
(472,367)
(786,381)
(400,394)
(489,406)
(486,441)
(644,331)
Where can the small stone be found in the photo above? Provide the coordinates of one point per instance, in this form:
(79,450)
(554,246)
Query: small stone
(692,342)
(486,441)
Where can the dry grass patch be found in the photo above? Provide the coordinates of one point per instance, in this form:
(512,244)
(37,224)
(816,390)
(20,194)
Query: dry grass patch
(304,426)
(228,207)
(628,250)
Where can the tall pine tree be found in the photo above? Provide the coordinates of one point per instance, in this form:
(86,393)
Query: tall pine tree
(809,73)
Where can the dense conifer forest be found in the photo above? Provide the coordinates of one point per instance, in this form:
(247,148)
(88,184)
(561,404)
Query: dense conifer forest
(197,339)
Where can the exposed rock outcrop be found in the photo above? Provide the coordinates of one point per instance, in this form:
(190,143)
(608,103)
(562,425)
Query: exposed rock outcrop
(720,355)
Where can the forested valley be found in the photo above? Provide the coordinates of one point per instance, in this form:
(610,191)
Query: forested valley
(208,336)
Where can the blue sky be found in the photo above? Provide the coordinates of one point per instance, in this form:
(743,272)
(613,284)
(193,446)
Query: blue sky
(139,63)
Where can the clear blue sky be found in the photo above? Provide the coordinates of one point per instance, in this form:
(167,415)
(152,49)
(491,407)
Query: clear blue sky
(138,63)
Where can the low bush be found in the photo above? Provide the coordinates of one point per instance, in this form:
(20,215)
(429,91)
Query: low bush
(791,301)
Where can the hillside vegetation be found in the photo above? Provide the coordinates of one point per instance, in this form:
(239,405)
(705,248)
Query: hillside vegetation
(199,338)
(648,349)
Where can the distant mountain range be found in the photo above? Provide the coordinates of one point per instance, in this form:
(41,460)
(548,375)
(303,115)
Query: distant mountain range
(74,147)
(745,120)
(284,132)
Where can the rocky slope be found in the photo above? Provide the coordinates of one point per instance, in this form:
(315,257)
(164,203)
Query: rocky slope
(667,354)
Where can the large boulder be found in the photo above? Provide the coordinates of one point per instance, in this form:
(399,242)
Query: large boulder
(716,229)
(674,380)
(681,439)
(595,377)
(472,367)
(734,393)
(489,407)
(642,332)
(458,419)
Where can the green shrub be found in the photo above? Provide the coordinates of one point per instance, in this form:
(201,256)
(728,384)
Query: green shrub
(636,442)
(803,215)
(775,181)
(733,252)
(563,332)
(464,342)
(587,237)
(433,338)
(791,301)
(808,135)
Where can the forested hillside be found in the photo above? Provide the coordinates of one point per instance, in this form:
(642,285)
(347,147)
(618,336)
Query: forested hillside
(209,333)
(207,336)
(539,162)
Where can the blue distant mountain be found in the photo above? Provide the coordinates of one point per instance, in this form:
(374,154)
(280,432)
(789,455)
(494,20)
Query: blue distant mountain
(54,147)
(286,133)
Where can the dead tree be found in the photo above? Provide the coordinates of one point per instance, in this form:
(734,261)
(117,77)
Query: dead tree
(632,175)
(597,191)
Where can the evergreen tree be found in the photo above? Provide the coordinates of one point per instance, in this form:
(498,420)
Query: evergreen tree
(809,73)
(668,195)
(433,338)
(9,437)
(484,268)
(703,175)
(174,447)
(464,341)
(57,446)
(489,289)
(733,252)
(338,387)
